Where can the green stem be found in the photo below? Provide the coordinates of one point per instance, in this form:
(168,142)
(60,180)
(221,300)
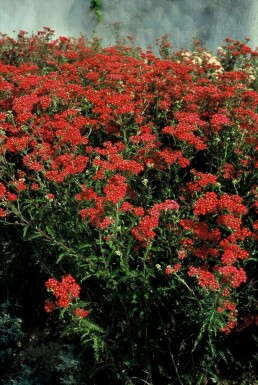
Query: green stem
(25,222)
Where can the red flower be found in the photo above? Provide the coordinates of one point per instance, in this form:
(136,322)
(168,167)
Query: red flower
(34,186)
(173,269)
(11,197)
(82,313)
(205,278)
(2,190)
(49,306)
(20,185)
(64,291)
(168,270)
(50,197)
(207,204)
(115,188)
(3,213)
(234,275)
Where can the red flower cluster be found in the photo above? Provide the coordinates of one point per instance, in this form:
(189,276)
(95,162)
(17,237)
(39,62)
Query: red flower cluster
(2,190)
(208,204)
(115,189)
(230,308)
(232,275)
(81,313)
(114,133)
(201,181)
(64,292)
(144,230)
(205,278)
(173,269)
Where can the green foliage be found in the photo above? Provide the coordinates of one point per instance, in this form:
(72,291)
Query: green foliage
(35,357)
(96,5)
(11,333)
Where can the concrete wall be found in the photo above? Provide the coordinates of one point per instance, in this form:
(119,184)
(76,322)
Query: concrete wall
(208,20)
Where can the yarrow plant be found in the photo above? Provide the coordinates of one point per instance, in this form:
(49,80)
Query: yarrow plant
(135,179)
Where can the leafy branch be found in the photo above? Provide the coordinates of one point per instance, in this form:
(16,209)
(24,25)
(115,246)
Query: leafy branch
(97,6)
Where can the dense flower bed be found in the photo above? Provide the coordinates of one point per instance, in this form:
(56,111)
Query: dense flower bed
(135,179)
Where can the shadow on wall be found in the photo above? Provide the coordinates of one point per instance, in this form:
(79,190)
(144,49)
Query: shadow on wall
(211,21)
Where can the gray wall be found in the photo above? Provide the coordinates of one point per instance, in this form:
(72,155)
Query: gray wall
(208,20)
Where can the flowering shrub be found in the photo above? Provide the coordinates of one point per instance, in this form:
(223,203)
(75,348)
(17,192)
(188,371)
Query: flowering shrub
(136,175)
